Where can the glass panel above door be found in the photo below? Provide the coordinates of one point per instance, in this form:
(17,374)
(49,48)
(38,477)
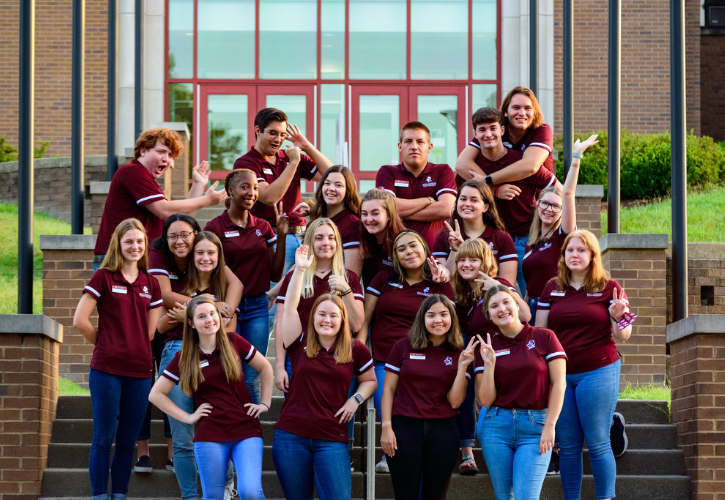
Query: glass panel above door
(484,45)
(181,38)
(226,39)
(288,39)
(377,39)
(440,114)
(439,40)
(333,40)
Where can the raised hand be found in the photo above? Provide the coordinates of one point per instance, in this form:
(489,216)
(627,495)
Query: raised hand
(507,192)
(303,209)
(487,353)
(293,153)
(468,354)
(338,283)
(580,147)
(296,137)
(200,173)
(203,410)
(487,281)
(439,272)
(302,262)
(255,410)
(455,238)
(216,197)
(281,220)
(619,305)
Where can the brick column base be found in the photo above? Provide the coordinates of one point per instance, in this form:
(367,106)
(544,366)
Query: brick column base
(588,200)
(28,398)
(697,350)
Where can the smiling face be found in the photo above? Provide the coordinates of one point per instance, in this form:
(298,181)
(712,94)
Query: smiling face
(414,147)
(374,217)
(503,309)
(437,320)
(205,319)
(133,245)
(489,135)
(334,189)
(470,204)
(271,138)
(324,245)
(468,268)
(410,252)
(549,208)
(577,256)
(180,236)
(245,191)
(327,319)
(157,159)
(206,256)
(520,112)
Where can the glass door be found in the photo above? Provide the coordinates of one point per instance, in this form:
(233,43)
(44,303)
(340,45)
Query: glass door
(443,111)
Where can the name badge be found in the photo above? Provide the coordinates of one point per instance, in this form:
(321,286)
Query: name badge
(204,364)
(119,289)
(267,171)
(404,184)
(417,355)
(231,234)
(558,294)
(503,352)
(594,295)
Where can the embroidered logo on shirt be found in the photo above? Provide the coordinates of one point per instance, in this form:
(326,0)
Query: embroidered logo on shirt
(429,182)
(404,184)
(231,234)
(426,289)
(119,289)
(428,179)
(258,232)
(531,344)
(417,355)
(546,245)
(145,289)
(448,361)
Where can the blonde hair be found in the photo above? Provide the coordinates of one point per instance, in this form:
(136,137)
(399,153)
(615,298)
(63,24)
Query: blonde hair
(113,261)
(418,334)
(597,277)
(535,235)
(338,259)
(190,375)
(343,350)
(477,249)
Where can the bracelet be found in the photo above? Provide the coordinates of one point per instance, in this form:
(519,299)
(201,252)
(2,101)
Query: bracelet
(495,191)
(346,292)
(577,155)
(266,405)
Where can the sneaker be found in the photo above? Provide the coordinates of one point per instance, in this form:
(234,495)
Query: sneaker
(229,491)
(382,466)
(553,464)
(143,464)
(352,468)
(468,466)
(618,436)
(170,464)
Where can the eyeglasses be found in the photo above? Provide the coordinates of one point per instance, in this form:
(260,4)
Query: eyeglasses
(184,235)
(274,134)
(545,205)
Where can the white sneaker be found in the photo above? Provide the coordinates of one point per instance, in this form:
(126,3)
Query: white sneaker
(229,491)
(382,466)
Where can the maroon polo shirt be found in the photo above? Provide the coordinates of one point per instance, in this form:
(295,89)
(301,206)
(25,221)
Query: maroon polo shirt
(378,261)
(541,263)
(581,322)
(123,347)
(177,286)
(425,377)
(228,420)
(518,213)
(348,225)
(132,188)
(521,373)
(435,180)
(542,137)
(478,323)
(319,389)
(267,172)
(321,286)
(396,308)
(246,250)
(163,264)
(499,241)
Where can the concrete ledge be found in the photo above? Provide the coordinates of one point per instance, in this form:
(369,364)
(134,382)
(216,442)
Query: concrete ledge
(589,191)
(31,324)
(180,127)
(60,162)
(620,241)
(697,323)
(67,241)
(703,251)
(100,187)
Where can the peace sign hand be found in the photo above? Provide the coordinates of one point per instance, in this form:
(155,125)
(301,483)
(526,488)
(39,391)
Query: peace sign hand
(487,281)
(302,262)
(281,220)
(619,305)
(440,273)
(454,236)
(487,353)
(468,354)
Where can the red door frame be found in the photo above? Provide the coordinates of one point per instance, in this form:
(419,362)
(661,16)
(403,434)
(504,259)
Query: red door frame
(457,90)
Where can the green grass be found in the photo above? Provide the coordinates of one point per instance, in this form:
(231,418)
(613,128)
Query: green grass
(68,388)
(705,220)
(43,224)
(656,392)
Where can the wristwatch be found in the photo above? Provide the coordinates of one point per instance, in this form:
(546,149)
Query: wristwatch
(431,199)
(358,398)
(489,180)
(577,155)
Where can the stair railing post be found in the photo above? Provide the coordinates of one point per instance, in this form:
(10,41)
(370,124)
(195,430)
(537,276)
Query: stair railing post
(370,454)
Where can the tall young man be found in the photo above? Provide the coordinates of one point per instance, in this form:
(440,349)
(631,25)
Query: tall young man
(424,192)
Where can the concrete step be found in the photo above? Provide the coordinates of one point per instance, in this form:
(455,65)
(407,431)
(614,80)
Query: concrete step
(64,483)
(628,487)
(208,213)
(642,411)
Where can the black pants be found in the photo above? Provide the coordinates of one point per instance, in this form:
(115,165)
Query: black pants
(426,456)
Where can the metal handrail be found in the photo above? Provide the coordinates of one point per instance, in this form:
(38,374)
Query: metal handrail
(370,450)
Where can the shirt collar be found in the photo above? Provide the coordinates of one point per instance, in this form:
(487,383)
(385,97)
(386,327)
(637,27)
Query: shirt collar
(141,280)
(228,223)
(259,158)
(523,335)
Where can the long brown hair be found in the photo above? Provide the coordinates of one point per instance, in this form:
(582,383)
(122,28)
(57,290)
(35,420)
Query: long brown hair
(398,267)
(218,278)
(395,223)
(538,115)
(597,277)
(190,375)
(113,261)
(477,249)
(490,217)
(535,235)
(343,350)
(418,334)
(493,291)
(351,200)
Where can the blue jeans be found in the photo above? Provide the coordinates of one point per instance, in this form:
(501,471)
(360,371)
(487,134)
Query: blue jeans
(532,307)
(119,406)
(252,325)
(520,244)
(379,367)
(466,418)
(302,463)
(213,458)
(589,403)
(510,441)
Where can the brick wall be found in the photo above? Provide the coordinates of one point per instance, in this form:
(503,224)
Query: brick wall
(645,65)
(67,268)
(637,262)
(53,33)
(28,398)
(589,208)
(697,350)
(712,89)
(705,278)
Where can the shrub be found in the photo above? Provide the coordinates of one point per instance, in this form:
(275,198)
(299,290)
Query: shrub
(10,153)
(645,163)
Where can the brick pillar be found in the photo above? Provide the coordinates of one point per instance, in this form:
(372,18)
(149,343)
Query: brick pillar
(176,180)
(99,193)
(28,398)
(637,262)
(589,208)
(697,350)
(705,276)
(67,268)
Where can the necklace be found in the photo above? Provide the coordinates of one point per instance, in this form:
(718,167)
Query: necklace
(240,224)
